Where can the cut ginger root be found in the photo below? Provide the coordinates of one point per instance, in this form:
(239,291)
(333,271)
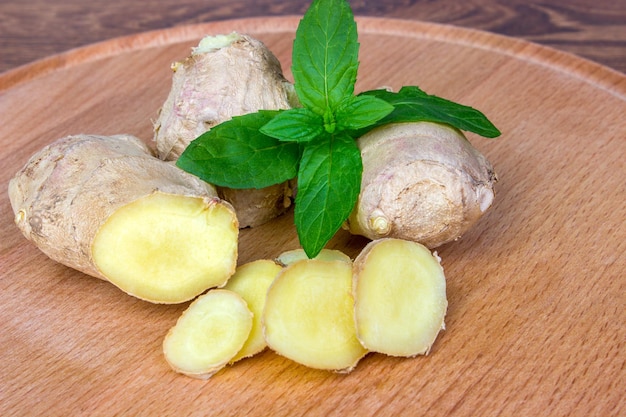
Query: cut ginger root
(308,315)
(288,257)
(106,206)
(400,297)
(208,334)
(251,281)
(324,313)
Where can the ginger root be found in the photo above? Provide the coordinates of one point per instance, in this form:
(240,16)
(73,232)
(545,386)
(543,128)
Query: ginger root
(251,281)
(225,76)
(422,182)
(108,207)
(400,297)
(208,334)
(325,313)
(309,315)
(288,257)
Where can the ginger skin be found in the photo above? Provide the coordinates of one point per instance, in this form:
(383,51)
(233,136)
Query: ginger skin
(225,76)
(422,182)
(106,206)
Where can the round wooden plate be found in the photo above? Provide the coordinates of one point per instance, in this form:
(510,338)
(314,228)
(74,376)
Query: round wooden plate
(536,289)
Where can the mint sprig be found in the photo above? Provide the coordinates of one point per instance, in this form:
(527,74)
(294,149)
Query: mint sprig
(317,143)
(324,66)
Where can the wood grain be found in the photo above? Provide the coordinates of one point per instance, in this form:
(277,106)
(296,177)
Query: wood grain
(37,28)
(536,290)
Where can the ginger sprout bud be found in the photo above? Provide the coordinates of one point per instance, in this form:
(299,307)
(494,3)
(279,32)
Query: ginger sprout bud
(379,224)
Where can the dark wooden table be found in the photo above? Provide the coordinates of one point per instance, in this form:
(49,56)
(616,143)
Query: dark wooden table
(33,29)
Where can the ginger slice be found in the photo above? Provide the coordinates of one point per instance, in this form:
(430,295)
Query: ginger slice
(251,282)
(400,297)
(308,315)
(291,256)
(208,334)
(167,248)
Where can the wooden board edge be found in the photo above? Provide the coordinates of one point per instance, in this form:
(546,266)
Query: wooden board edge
(600,76)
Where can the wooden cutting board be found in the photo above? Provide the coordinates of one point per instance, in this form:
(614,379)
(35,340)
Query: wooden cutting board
(537,289)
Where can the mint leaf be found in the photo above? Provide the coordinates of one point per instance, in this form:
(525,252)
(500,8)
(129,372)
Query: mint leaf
(361,111)
(325,55)
(413,105)
(235,154)
(294,125)
(329,181)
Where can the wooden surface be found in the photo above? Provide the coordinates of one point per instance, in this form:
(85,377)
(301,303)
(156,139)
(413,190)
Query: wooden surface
(33,29)
(536,290)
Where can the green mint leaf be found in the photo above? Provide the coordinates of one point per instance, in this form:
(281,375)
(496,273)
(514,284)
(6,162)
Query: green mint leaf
(235,154)
(414,105)
(325,55)
(329,181)
(361,111)
(294,125)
